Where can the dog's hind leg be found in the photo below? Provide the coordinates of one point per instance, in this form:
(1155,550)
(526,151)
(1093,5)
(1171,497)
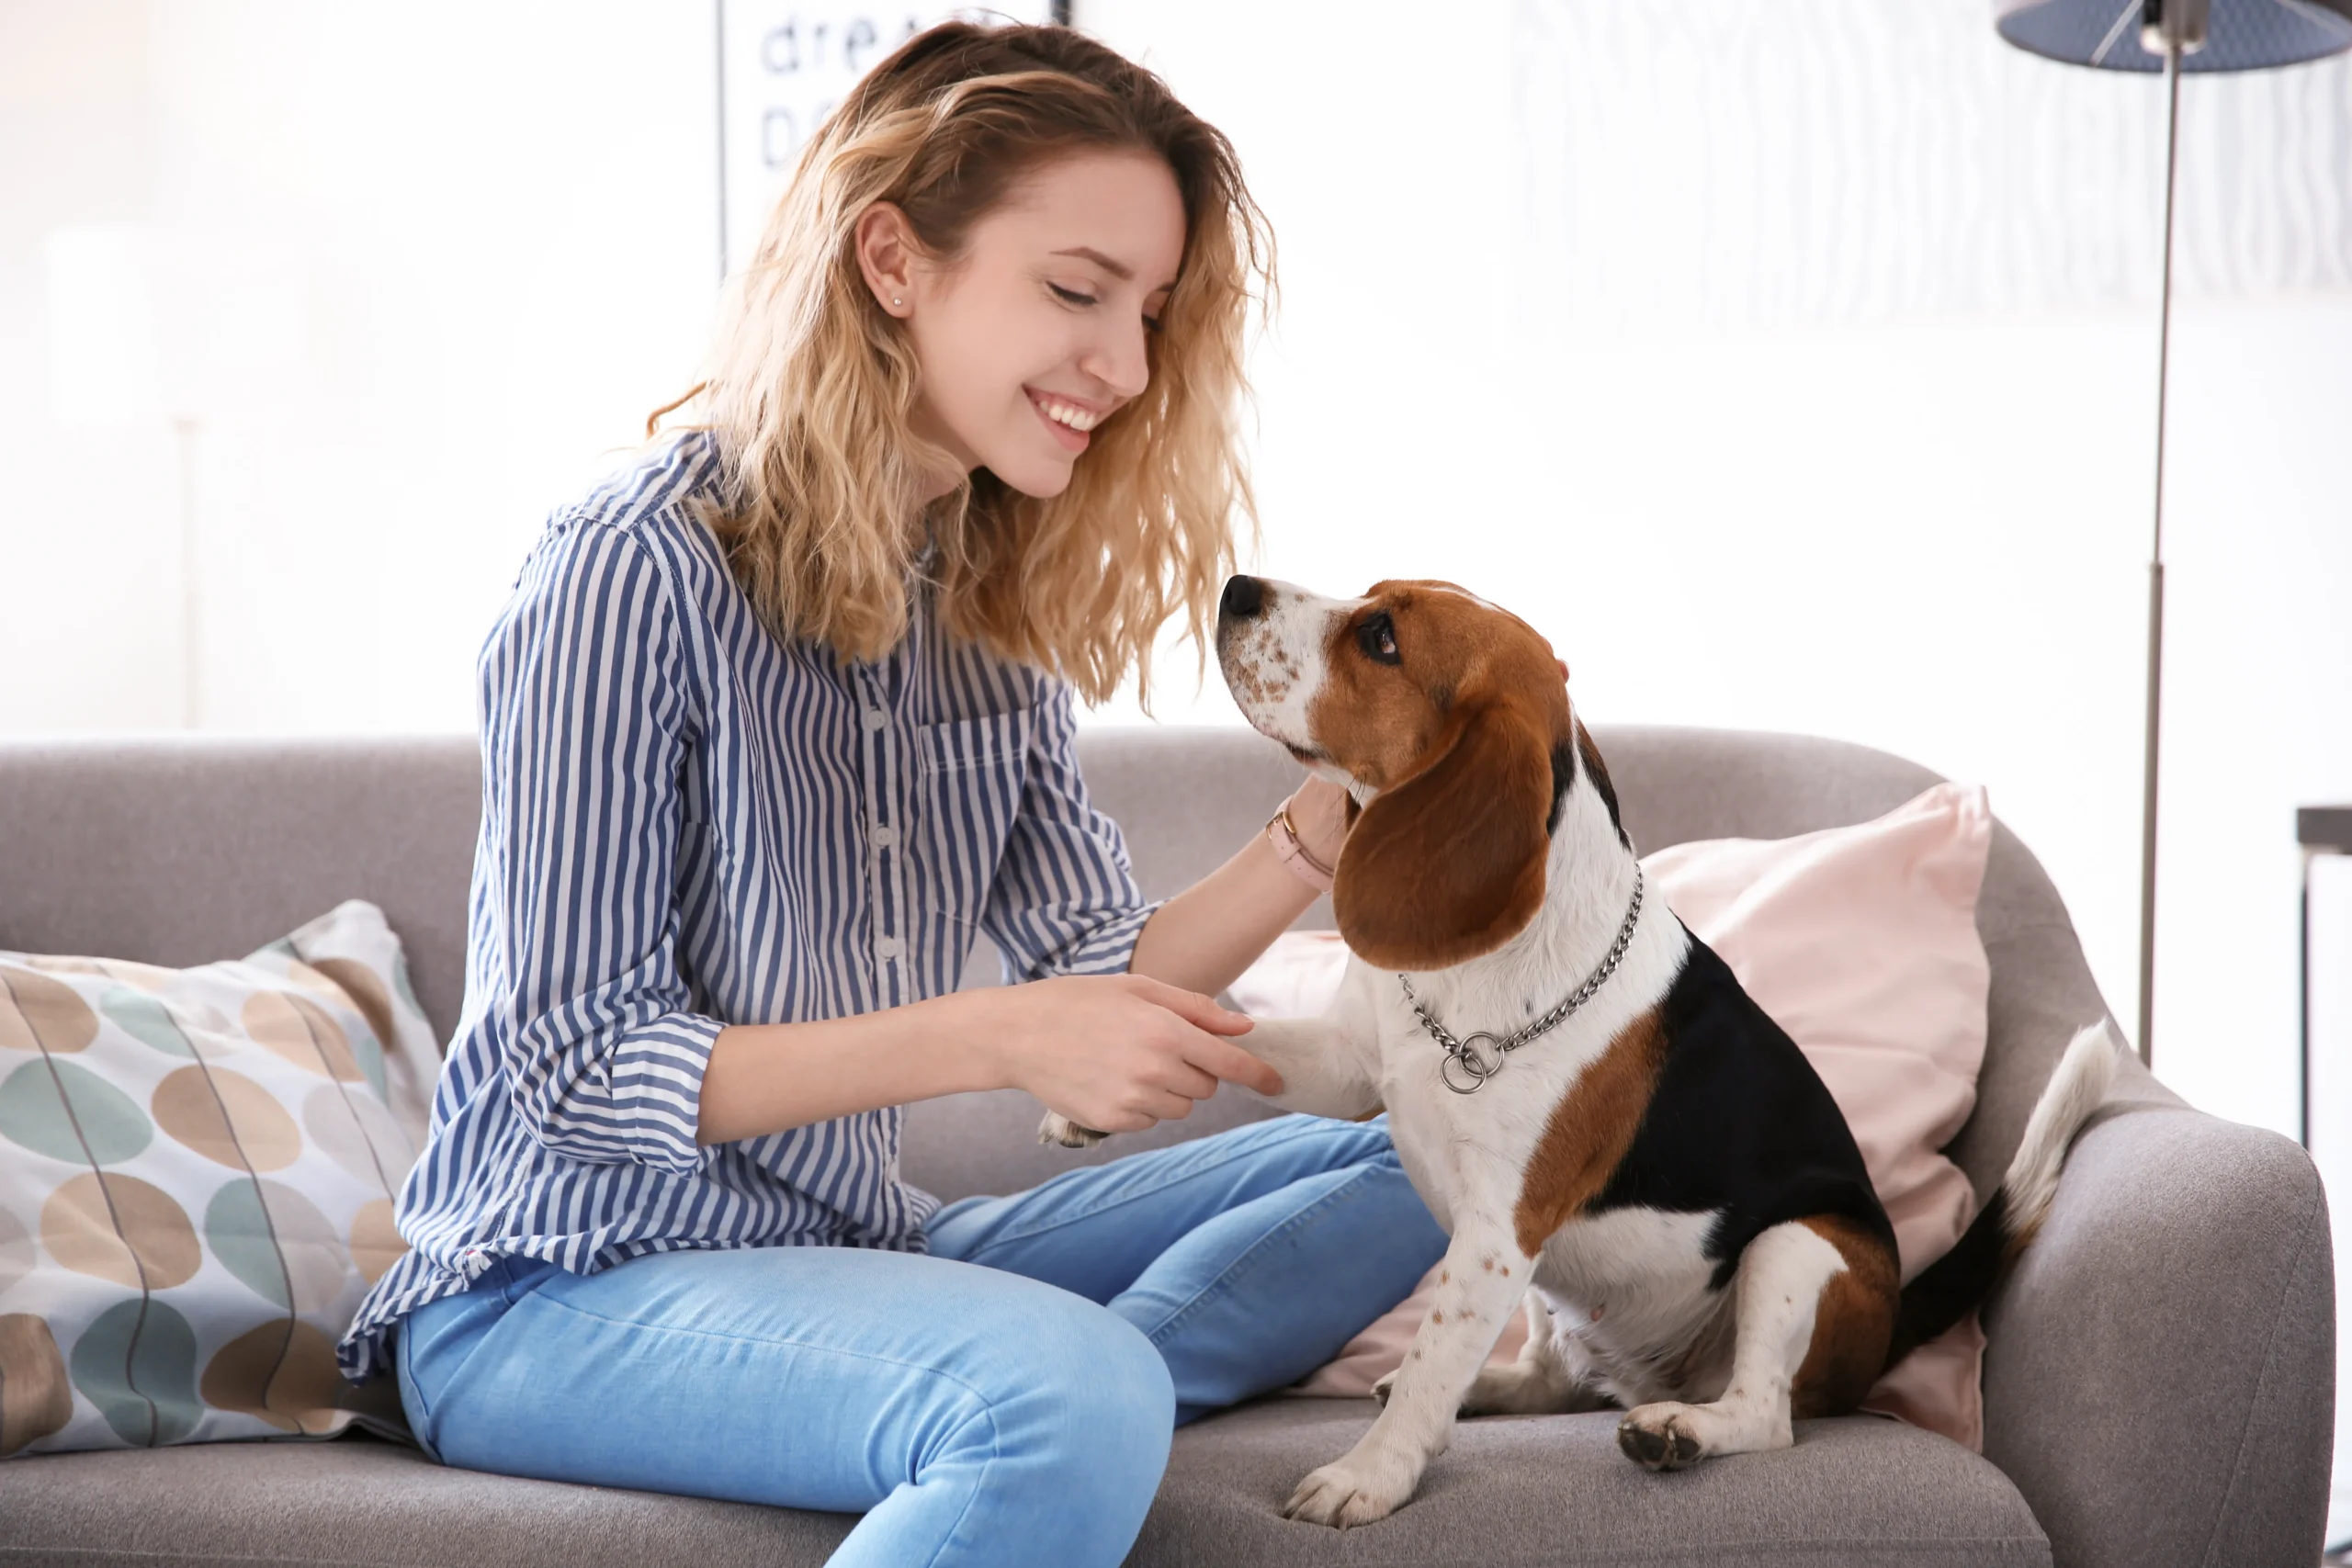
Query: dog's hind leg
(1854,1327)
(1781,1278)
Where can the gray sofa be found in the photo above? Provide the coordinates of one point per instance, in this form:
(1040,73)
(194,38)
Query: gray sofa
(2159,1388)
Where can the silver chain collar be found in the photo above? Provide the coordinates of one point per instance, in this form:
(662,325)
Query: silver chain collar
(1463,1056)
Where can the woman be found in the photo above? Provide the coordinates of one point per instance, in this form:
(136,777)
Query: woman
(774,723)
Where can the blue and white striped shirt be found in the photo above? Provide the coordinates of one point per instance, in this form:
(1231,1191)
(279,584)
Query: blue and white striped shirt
(686,824)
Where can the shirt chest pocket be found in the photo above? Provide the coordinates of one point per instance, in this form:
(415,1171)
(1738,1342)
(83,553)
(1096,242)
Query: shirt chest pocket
(969,793)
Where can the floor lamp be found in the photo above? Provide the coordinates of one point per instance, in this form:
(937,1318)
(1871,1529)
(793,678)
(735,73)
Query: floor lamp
(2172,36)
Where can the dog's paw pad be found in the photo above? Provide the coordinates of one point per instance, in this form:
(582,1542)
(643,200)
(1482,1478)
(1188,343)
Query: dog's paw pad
(1659,1439)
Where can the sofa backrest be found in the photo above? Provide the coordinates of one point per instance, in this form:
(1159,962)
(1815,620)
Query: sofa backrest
(180,851)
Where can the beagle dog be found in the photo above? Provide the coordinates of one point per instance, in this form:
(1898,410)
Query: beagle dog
(1613,1134)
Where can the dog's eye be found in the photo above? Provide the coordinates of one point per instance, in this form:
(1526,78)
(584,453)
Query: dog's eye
(1377,638)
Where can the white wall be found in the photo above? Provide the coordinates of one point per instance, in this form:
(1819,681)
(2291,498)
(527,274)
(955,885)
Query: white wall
(1792,369)
(499,224)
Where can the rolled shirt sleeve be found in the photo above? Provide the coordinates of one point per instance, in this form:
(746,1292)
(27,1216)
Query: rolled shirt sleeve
(585,715)
(1065,900)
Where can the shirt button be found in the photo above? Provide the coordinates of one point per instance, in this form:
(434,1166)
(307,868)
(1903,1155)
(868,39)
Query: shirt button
(887,947)
(876,719)
(885,836)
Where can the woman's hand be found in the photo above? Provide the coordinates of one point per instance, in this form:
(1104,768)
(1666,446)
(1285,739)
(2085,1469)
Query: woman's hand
(1115,1052)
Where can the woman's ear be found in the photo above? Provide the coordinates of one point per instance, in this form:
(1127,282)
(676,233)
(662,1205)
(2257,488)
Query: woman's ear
(1450,864)
(886,255)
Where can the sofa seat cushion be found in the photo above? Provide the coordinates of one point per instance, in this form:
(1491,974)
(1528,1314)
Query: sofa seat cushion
(1511,1492)
(1535,1492)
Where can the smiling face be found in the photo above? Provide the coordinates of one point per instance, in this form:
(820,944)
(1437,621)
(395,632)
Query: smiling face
(1038,331)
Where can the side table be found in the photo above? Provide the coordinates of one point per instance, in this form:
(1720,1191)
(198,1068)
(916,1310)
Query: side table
(2319,830)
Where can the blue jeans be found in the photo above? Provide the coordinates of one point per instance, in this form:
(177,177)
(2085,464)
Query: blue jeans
(1015,1412)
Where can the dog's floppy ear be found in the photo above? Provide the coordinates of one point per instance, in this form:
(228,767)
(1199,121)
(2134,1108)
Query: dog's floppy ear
(1448,864)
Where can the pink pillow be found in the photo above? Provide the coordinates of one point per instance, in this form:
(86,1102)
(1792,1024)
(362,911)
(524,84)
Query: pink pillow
(1861,942)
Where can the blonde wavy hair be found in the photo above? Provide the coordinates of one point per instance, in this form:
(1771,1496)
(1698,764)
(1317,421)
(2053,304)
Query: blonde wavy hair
(810,385)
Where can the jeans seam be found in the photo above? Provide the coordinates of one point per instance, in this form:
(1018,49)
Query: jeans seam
(1107,1205)
(403,1358)
(1229,1275)
(401,1341)
(995,1451)
(638,1326)
(401,1347)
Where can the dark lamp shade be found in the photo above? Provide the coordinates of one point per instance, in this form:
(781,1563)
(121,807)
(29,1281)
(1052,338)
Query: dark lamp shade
(2242,35)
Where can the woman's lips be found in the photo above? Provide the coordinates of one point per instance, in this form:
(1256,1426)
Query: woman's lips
(1072,441)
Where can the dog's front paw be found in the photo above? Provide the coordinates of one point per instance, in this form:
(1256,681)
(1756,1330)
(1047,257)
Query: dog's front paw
(1660,1436)
(1059,1129)
(1348,1493)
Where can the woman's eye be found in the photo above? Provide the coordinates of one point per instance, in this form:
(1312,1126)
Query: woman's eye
(1071,296)
(1151,323)
(1377,638)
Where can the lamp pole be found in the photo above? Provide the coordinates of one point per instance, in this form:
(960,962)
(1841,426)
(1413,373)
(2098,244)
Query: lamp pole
(2170,19)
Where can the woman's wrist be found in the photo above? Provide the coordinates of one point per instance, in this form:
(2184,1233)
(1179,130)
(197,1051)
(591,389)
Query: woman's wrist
(974,1021)
(1308,830)
(953,1043)
(1301,863)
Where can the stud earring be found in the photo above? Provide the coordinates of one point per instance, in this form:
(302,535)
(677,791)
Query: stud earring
(895,301)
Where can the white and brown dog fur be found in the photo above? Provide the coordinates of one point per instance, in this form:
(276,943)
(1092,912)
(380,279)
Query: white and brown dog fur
(1662,1181)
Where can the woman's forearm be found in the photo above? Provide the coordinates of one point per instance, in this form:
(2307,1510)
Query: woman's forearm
(1206,936)
(766,1077)
(1116,1051)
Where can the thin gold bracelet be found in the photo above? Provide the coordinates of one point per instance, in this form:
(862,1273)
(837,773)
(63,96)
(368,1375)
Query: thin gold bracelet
(1298,844)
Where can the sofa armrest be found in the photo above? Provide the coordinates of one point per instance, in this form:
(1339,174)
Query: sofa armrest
(2160,1375)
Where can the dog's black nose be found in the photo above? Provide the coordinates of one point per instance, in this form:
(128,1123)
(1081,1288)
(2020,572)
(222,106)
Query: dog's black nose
(1244,597)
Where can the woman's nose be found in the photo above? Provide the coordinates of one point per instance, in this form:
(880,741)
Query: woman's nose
(1121,361)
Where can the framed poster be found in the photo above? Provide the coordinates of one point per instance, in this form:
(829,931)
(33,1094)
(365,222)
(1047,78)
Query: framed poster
(783,64)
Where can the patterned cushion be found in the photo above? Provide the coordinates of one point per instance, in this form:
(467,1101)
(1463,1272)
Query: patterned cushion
(197,1175)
